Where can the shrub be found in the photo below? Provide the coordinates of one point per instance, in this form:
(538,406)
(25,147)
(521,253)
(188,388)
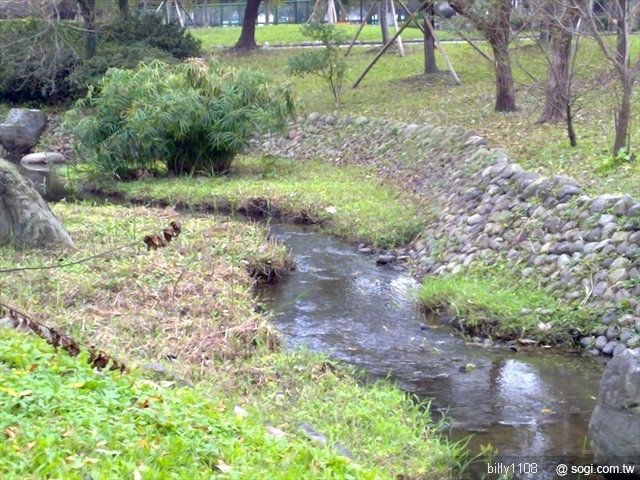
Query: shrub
(327,63)
(110,55)
(149,29)
(41,61)
(189,118)
(35,60)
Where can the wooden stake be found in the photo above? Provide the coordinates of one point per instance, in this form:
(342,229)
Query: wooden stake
(406,9)
(364,20)
(473,45)
(444,54)
(384,49)
(395,26)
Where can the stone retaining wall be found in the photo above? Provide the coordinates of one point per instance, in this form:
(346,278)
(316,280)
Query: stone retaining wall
(486,208)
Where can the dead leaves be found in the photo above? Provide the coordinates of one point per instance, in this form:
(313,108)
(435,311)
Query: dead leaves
(97,358)
(153,242)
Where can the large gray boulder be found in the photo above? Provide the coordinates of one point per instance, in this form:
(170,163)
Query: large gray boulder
(614,430)
(25,218)
(21,130)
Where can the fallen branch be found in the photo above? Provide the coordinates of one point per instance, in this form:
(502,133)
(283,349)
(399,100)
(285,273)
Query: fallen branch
(97,358)
(151,241)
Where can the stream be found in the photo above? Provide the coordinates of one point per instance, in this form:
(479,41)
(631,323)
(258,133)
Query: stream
(533,406)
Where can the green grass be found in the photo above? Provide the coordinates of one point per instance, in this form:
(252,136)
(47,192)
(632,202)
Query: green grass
(192,300)
(491,304)
(345,200)
(228,36)
(395,88)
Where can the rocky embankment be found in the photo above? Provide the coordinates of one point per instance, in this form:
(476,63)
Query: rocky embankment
(486,208)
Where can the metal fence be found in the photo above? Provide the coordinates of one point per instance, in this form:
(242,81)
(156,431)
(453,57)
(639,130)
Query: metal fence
(231,14)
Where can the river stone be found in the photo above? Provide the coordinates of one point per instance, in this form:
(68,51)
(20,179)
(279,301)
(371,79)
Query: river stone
(634,211)
(586,342)
(609,318)
(620,263)
(623,205)
(563,260)
(619,275)
(599,289)
(42,158)
(568,191)
(612,332)
(603,202)
(619,237)
(626,334)
(609,347)
(614,429)
(21,130)
(385,259)
(638,326)
(601,341)
(618,349)
(633,341)
(626,320)
(607,218)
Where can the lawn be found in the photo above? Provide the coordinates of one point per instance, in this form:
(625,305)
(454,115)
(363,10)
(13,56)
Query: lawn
(344,200)
(395,88)
(290,34)
(189,310)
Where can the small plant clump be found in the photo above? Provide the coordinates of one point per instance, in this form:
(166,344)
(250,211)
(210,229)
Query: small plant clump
(328,62)
(185,119)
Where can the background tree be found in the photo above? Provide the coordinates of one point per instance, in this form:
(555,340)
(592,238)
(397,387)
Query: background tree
(561,21)
(492,18)
(619,58)
(247,40)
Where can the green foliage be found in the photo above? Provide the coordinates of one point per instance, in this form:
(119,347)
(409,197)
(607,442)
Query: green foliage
(492,304)
(189,118)
(365,211)
(36,59)
(150,30)
(110,55)
(60,419)
(42,61)
(611,163)
(328,63)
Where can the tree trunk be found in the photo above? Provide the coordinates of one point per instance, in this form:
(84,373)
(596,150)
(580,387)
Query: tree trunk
(205,14)
(622,116)
(505,91)
(319,10)
(429,44)
(25,218)
(558,88)
(622,40)
(266,12)
(384,24)
(86,11)
(247,40)
(123,7)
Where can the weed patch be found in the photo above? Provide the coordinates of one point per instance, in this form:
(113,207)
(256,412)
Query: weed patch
(501,307)
(343,200)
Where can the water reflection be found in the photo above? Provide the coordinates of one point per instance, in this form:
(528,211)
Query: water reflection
(532,406)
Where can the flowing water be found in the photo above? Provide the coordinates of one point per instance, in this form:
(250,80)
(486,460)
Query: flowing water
(534,406)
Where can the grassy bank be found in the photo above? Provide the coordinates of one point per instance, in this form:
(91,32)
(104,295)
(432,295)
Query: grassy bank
(228,36)
(343,200)
(395,88)
(503,306)
(190,302)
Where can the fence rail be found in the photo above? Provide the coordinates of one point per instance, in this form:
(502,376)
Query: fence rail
(296,12)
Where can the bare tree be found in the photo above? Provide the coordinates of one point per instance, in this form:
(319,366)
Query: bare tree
(562,23)
(429,43)
(383,9)
(492,19)
(619,58)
